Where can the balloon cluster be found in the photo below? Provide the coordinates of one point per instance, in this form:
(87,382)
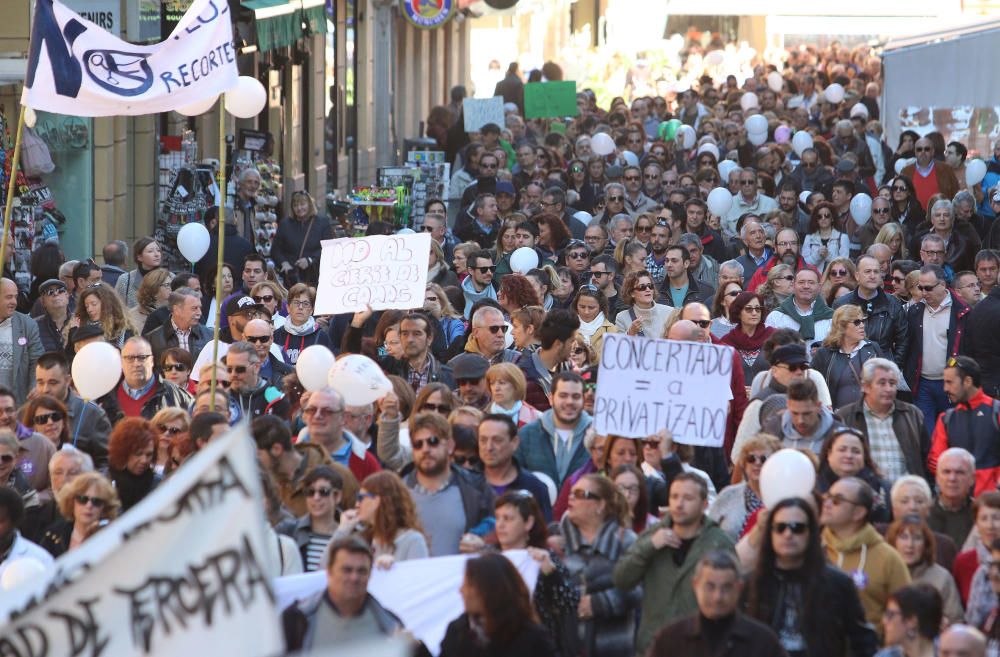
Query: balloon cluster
(244,100)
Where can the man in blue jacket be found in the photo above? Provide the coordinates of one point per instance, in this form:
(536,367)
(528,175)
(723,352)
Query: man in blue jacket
(553,444)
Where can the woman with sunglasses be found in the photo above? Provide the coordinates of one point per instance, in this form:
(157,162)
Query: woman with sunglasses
(905,208)
(777,288)
(824,242)
(131,455)
(720,308)
(642,316)
(811,605)
(47,416)
(746,313)
(175,364)
(914,541)
(591,307)
(595,532)
(271,296)
(644,229)
(736,505)
(845,453)
(579,182)
(313,531)
(86,504)
(840,272)
(844,352)
(386,517)
(171,424)
(297,243)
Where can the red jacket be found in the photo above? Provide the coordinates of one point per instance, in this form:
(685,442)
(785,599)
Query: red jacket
(738,404)
(971,425)
(760,277)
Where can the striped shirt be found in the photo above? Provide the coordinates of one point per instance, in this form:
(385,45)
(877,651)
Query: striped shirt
(314,550)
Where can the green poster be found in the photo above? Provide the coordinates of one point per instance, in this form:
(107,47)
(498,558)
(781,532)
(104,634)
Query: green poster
(549,99)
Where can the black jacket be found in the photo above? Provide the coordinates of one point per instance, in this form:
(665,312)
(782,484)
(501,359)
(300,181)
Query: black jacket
(833,364)
(50,334)
(255,403)
(744,637)
(886,323)
(233,251)
(460,641)
(907,424)
(982,340)
(913,359)
(165,337)
(696,291)
(477,495)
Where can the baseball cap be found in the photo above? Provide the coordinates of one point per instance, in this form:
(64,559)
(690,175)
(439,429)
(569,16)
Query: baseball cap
(239,305)
(50,283)
(505,187)
(469,366)
(789,354)
(87,331)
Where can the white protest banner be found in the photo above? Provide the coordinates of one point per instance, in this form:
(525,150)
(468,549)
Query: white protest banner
(75,66)
(383,271)
(477,112)
(423,593)
(644,385)
(182,573)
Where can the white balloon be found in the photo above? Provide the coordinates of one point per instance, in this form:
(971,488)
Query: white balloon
(775,82)
(192,241)
(523,260)
(709,147)
(900,165)
(247,98)
(715,58)
(20,571)
(786,474)
(631,159)
(861,208)
(804,197)
(725,168)
(97,368)
(686,136)
(801,140)
(602,144)
(757,138)
(975,171)
(194,109)
(834,93)
(359,380)
(749,101)
(313,366)
(30,118)
(719,201)
(756,123)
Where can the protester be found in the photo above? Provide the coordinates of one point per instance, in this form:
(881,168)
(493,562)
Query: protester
(915,542)
(86,504)
(386,518)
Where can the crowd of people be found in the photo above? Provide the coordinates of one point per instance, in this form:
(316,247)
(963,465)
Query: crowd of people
(867,345)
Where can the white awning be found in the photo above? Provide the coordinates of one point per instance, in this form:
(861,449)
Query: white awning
(12,69)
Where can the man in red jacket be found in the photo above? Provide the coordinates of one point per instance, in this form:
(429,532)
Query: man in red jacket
(324,416)
(972,424)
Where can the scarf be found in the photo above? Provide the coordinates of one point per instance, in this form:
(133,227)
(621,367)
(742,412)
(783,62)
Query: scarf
(981,595)
(751,503)
(587,329)
(807,324)
(305,329)
(513,413)
(433,272)
(739,340)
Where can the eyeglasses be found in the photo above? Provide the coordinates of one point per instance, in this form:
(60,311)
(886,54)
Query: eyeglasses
(702,323)
(310,411)
(55,291)
(584,494)
(170,431)
(836,499)
(432,441)
(753,309)
(824,215)
(898,279)
(642,287)
(45,418)
(577,255)
(748,182)
(486,270)
(838,272)
(264,298)
(257,339)
(237,369)
(756,459)
(880,210)
(322,492)
(443,409)
(174,367)
(138,358)
(935,252)
(96,502)
(928,288)
(466,460)
(628,489)
(616,199)
(795,367)
(788,277)
(860,321)
(786,245)
(797,528)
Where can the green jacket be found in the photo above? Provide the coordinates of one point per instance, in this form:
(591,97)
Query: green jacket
(667,594)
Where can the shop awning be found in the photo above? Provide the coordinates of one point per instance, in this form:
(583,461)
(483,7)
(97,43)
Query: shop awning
(279,22)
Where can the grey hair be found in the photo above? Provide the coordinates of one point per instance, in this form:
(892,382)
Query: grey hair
(944,203)
(932,237)
(247,172)
(737,171)
(67,451)
(618,219)
(844,124)
(733,264)
(244,347)
(961,453)
(964,196)
(746,227)
(66,268)
(482,312)
(872,364)
(178,296)
(911,480)
(973,633)
(872,251)
(613,186)
(934,269)
(690,238)
(718,560)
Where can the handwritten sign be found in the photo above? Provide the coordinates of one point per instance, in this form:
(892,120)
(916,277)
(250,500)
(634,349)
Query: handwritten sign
(544,100)
(381,271)
(477,112)
(182,573)
(645,385)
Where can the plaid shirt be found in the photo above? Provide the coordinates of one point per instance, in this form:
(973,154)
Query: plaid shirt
(418,380)
(884,446)
(656,269)
(182,337)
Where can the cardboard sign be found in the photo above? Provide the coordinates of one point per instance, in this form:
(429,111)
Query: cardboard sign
(477,112)
(544,100)
(381,271)
(645,385)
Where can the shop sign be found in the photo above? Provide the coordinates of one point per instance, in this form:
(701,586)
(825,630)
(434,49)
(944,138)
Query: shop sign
(428,14)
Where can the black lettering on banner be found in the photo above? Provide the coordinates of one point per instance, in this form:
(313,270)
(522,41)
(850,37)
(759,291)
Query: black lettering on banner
(225,582)
(82,629)
(26,641)
(631,417)
(668,357)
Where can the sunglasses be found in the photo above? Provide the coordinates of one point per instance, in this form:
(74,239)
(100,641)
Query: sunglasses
(6,458)
(258,339)
(633,178)
(54,292)
(582,494)
(651,444)
(644,229)
(797,528)
(45,418)
(443,409)
(579,351)
(576,170)
(495,329)
(322,492)
(797,367)
(310,411)
(237,369)
(702,323)
(838,272)
(96,502)
(484,270)
(433,441)
(900,189)
(860,321)
(466,461)
(174,367)
(616,199)
(265,298)
(898,279)
(927,288)
(578,255)
(642,287)
(170,431)
(426,229)
(808,165)
(757,459)
(881,210)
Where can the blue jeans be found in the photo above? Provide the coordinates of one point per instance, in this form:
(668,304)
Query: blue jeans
(931,401)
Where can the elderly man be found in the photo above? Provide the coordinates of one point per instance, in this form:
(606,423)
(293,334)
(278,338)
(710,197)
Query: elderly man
(614,199)
(488,330)
(621,227)
(260,333)
(184,329)
(702,267)
(894,429)
(20,344)
(246,202)
(324,417)
(141,393)
(636,202)
(810,174)
(749,199)
(255,395)
(758,253)
(930,176)
(805,311)
(52,321)
(885,318)
(952,512)
(961,240)
(846,141)
(731,271)
(962,641)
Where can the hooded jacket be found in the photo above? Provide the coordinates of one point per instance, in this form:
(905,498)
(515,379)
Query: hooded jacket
(472,296)
(884,570)
(536,453)
(265,399)
(780,425)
